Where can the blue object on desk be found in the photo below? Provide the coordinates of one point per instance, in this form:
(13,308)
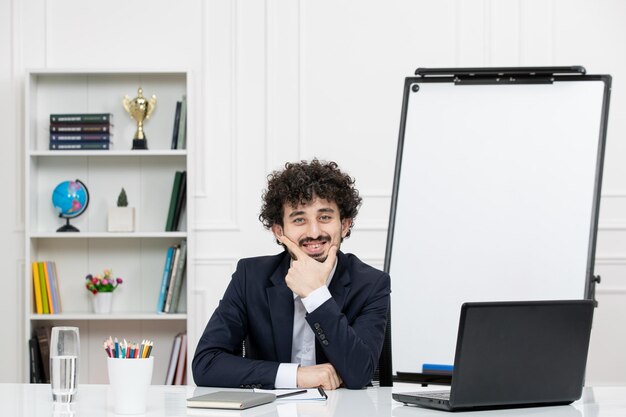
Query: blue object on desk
(437,368)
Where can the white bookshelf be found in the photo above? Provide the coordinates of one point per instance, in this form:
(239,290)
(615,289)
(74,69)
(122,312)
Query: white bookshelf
(147,176)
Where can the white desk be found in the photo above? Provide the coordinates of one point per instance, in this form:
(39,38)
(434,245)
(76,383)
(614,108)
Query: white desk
(34,400)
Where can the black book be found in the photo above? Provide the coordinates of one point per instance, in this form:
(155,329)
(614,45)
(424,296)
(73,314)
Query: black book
(36,367)
(80,128)
(43,337)
(180,201)
(176,125)
(80,118)
(79,137)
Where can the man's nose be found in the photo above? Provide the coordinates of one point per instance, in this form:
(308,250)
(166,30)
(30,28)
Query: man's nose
(313,230)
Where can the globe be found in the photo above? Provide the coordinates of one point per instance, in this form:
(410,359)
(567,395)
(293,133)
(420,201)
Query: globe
(70,199)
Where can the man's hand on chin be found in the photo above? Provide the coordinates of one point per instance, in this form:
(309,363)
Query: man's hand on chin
(323,375)
(306,274)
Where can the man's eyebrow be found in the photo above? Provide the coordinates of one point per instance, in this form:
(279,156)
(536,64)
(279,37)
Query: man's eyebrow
(326,210)
(296,213)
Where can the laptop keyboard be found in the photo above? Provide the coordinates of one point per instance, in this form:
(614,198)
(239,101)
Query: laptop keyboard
(436,395)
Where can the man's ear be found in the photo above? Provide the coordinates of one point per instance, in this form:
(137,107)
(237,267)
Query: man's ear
(345,227)
(277,230)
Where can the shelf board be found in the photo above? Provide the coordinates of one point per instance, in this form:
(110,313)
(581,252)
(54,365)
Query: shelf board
(110,316)
(108,235)
(111,153)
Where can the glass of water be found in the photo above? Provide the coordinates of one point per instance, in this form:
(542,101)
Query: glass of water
(64,353)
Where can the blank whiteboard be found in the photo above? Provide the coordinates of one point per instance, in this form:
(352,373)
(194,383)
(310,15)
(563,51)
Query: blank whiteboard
(496,197)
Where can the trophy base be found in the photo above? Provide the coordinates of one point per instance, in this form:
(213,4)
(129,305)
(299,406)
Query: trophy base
(140,144)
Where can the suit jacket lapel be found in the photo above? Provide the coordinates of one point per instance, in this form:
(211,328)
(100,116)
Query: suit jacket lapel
(340,284)
(280,301)
(339,289)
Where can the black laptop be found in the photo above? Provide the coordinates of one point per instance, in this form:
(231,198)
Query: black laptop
(515,354)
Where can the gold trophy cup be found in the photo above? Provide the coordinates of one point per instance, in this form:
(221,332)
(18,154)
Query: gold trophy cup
(140,109)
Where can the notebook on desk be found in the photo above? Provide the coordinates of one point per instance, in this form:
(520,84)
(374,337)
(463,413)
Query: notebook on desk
(515,354)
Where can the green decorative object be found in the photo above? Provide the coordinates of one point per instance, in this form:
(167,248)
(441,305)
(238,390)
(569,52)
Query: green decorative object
(121,217)
(122,200)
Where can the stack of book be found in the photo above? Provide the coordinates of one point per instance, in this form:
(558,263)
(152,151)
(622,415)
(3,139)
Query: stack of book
(179,135)
(177,201)
(46,288)
(176,371)
(81,131)
(172,281)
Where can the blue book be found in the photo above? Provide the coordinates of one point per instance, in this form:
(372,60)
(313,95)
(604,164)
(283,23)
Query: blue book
(166,277)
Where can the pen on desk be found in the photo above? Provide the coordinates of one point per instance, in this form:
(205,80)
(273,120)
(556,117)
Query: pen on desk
(289,394)
(322,393)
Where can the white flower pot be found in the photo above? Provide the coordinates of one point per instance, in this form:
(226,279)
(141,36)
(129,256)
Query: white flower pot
(121,219)
(102,302)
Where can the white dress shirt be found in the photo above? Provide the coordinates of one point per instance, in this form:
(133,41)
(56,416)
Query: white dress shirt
(303,339)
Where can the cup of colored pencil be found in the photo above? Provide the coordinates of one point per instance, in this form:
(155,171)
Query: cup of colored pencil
(129,379)
(127,350)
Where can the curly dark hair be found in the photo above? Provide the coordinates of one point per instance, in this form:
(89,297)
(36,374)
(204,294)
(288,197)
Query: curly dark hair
(301,182)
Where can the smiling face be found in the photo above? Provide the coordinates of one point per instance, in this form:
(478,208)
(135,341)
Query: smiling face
(314,227)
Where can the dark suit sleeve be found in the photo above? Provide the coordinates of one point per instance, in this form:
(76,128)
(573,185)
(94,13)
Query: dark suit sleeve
(354,348)
(217,361)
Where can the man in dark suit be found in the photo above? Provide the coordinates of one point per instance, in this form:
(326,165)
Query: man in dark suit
(311,316)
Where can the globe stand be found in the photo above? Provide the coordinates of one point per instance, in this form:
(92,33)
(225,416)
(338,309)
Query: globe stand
(67,227)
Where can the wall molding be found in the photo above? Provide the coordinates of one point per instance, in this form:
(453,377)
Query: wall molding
(610,290)
(611,260)
(217,226)
(612,226)
(613,194)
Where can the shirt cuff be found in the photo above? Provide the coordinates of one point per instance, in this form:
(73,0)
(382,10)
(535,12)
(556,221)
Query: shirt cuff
(316,298)
(287,376)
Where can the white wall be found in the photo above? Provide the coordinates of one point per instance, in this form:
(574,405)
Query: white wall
(280,80)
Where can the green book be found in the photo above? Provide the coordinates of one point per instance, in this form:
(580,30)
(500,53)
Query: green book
(169,225)
(180,275)
(44,288)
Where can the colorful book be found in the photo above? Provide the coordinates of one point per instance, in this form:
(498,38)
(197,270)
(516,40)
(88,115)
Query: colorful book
(180,274)
(169,225)
(56,285)
(80,137)
(165,280)
(180,201)
(182,360)
(44,291)
(54,288)
(176,125)
(37,288)
(182,127)
(48,286)
(81,128)
(171,369)
(81,118)
(172,280)
(80,145)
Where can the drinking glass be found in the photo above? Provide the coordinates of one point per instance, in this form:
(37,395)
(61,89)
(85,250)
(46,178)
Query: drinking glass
(64,353)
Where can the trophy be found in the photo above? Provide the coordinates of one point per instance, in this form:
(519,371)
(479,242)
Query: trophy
(139,109)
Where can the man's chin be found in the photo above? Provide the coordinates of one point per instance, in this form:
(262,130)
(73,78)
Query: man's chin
(320,258)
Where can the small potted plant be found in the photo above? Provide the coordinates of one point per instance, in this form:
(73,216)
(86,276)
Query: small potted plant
(122,217)
(102,287)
